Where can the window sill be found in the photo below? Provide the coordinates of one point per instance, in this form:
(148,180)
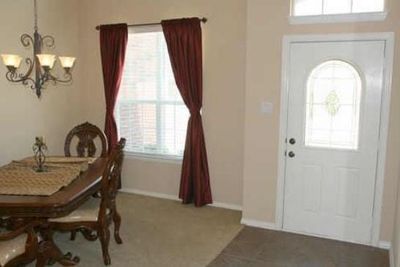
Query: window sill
(154,157)
(339,18)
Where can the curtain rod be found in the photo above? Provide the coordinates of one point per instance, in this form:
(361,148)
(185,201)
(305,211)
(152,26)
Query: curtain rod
(204,20)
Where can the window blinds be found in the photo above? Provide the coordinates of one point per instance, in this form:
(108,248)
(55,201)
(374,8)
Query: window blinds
(150,112)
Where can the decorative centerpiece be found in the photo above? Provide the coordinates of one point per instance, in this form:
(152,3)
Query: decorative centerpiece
(39,148)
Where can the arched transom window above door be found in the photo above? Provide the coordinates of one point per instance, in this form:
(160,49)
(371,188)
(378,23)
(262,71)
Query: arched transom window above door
(332,119)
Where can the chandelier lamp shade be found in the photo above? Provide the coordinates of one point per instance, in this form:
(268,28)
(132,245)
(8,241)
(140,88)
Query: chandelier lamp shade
(40,66)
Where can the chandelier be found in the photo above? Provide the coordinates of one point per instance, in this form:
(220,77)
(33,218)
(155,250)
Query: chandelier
(39,67)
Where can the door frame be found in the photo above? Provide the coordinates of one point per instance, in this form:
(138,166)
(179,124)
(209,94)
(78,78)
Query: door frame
(288,40)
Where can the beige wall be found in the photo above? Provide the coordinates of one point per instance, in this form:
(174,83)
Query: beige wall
(267,23)
(22,115)
(224,83)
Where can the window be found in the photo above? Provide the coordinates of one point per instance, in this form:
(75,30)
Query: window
(333,106)
(337,10)
(325,7)
(150,112)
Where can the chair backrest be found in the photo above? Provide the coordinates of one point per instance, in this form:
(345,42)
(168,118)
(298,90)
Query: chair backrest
(111,178)
(86,134)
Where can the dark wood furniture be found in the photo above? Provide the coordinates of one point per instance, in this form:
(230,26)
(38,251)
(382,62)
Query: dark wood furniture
(59,204)
(62,203)
(19,247)
(86,134)
(97,214)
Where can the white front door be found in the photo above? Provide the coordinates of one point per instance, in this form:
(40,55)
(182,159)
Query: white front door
(334,107)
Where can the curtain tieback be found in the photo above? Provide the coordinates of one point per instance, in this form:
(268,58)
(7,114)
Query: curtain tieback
(110,109)
(195,114)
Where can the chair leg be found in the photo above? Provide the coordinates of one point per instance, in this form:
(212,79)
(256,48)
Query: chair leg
(73,235)
(117,225)
(104,236)
(89,235)
(41,261)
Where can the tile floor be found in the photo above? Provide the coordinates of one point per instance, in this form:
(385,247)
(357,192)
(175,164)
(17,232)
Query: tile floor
(256,247)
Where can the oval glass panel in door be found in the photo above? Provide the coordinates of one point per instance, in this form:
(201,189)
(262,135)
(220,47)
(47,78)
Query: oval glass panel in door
(333,106)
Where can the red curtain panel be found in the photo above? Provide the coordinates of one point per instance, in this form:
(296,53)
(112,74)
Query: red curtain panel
(184,42)
(113,41)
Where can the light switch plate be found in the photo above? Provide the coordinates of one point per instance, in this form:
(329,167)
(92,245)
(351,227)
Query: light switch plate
(266,107)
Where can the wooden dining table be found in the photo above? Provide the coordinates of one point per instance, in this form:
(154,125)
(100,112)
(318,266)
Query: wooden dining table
(59,204)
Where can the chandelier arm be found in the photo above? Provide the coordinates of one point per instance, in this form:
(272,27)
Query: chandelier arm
(48,41)
(26,40)
(13,77)
(19,77)
(29,80)
(68,78)
(42,80)
(31,64)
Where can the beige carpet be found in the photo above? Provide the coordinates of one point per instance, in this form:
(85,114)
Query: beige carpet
(159,232)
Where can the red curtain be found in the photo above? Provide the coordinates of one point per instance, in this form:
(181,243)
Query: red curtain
(113,41)
(184,42)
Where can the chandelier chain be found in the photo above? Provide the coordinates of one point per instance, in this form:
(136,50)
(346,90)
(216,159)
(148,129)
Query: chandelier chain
(35,15)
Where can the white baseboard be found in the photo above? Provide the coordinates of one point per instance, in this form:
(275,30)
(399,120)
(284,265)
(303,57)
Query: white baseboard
(172,197)
(259,224)
(226,206)
(149,194)
(384,245)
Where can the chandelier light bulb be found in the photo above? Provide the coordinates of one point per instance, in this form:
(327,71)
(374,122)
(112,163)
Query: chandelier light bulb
(13,61)
(67,62)
(46,60)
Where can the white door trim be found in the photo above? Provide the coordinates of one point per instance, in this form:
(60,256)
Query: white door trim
(388,37)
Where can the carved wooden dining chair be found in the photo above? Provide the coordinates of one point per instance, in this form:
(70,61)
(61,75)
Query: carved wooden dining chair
(18,247)
(86,134)
(95,216)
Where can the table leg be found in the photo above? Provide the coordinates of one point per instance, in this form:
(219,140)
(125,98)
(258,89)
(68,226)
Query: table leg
(50,253)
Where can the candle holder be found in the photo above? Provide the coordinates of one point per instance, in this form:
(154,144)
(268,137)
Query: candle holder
(39,149)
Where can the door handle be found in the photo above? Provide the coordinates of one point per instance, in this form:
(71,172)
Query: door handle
(292,141)
(291,154)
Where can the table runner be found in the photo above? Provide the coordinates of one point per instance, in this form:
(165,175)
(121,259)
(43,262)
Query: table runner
(20,178)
